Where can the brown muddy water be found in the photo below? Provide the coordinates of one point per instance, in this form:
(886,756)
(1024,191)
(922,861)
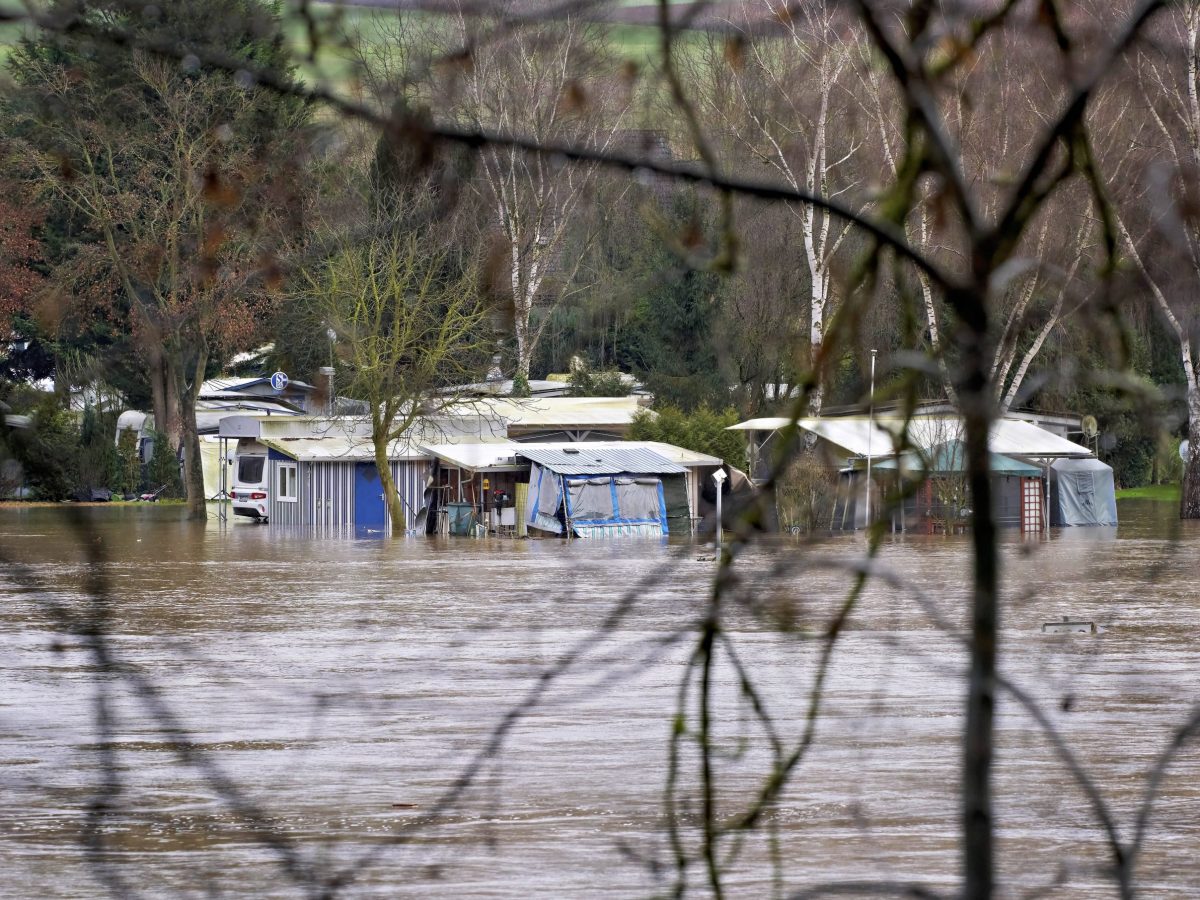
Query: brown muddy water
(342,685)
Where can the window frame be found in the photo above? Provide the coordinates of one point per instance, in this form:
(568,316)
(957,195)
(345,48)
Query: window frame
(281,482)
(250,459)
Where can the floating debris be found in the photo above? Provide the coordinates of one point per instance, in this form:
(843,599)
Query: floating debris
(1066,626)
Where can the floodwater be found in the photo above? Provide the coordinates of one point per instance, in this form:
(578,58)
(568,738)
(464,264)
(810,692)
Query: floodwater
(343,686)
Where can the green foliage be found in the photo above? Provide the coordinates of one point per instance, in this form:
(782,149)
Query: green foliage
(645,311)
(701,429)
(99,464)
(163,468)
(48,451)
(162,183)
(607,383)
(129,465)
(668,339)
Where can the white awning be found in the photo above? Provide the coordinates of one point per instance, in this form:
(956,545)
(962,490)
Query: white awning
(856,435)
(498,457)
(340,449)
(768,424)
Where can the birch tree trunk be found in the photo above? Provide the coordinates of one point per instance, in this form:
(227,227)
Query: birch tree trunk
(1189,501)
(792,135)
(530,85)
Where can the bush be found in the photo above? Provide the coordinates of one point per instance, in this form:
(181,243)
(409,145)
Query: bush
(805,496)
(48,451)
(607,383)
(701,430)
(163,468)
(129,472)
(99,464)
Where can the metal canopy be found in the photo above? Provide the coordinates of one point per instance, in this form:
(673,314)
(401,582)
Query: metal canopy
(587,459)
(681,455)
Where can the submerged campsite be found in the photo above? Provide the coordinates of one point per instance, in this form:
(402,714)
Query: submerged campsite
(558,465)
(510,448)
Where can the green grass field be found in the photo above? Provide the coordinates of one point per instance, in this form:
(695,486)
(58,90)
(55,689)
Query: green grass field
(1163,493)
(341,26)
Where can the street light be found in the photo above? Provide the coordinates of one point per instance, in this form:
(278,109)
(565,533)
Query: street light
(719,477)
(870,434)
(328,370)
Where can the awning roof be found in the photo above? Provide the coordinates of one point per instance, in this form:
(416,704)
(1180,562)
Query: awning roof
(340,449)
(503,456)
(681,455)
(546,412)
(585,458)
(498,457)
(855,434)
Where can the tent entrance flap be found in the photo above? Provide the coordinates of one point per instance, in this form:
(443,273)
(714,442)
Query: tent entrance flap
(545,497)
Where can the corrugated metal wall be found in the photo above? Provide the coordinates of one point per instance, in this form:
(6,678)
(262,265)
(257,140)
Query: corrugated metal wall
(410,476)
(331,489)
(325,493)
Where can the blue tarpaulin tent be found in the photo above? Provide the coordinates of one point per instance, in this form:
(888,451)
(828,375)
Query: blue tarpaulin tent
(598,492)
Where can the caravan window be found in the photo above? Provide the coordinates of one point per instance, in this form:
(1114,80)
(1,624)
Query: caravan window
(250,469)
(285,488)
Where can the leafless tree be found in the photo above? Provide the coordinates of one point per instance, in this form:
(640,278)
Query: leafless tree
(977,236)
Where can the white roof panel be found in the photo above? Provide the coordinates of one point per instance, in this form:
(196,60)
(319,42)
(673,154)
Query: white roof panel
(542,412)
(771,423)
(340,449)
(588,458)
(479,457)
(855,434)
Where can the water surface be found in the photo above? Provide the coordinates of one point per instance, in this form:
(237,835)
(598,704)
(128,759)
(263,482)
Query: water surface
(344,684)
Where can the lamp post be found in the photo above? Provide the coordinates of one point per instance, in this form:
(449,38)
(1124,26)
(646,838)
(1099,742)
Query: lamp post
(328,371)
(719,477)
(870,434)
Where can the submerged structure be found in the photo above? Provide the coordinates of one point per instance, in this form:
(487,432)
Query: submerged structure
(914,470)
(464,474)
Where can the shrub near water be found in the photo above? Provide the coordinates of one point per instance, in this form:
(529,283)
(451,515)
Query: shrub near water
(700,429)
(48,452)
(805,496)
(163,469)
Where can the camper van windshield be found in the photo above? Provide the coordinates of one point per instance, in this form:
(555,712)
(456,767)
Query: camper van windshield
(250,469)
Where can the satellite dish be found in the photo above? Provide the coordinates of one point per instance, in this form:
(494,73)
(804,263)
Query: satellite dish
(1183,451)
(1090,427)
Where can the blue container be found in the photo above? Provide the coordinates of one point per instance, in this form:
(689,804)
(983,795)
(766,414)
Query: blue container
(462,517)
